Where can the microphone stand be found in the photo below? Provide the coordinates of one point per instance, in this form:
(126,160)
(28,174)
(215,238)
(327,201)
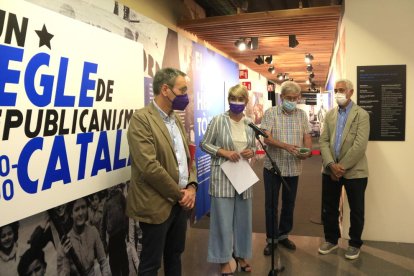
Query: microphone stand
(275,169)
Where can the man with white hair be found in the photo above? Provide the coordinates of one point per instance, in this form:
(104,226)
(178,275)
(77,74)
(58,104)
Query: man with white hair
(343,144)
(288,130)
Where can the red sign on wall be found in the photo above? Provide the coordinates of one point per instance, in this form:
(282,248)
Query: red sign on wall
(243,74)
(248,85)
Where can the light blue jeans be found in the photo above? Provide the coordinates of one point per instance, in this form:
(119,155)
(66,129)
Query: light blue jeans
(230,229)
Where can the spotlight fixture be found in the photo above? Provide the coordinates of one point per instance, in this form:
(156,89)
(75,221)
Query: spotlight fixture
(241,44)
(259,60)
(271,69)
(308,58)
(309,68)
(280,76)
(292,41)
(269,59)
(311,75)
(244,43)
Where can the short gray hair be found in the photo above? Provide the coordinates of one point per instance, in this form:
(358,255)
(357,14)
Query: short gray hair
(290,86)
(165,76)
(348,83)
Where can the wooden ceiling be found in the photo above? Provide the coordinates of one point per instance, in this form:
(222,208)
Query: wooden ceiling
(315,29)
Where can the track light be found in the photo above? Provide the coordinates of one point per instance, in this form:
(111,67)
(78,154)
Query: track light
(237,43)
(283,77)
(241,44)
(311,75)
(271,69)
(269,59)
(244,43)
(259,60)
(308,58)
(292,41)
(254,43)
(309,68)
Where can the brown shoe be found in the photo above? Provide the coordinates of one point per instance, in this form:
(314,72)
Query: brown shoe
(288,244)
(267,251)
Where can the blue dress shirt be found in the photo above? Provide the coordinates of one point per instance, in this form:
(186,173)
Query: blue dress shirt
(340,125)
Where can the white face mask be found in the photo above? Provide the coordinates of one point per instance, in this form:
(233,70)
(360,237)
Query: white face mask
(340,99)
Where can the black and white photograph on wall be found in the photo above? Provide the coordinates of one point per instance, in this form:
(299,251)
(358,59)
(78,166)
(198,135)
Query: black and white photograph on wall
(87,236)
(254,108)
(316,105)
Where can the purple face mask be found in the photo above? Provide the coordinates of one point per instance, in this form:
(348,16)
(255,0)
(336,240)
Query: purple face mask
(180,102)
(236,107)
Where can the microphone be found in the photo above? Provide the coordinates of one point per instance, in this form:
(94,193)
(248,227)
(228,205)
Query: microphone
(258,130)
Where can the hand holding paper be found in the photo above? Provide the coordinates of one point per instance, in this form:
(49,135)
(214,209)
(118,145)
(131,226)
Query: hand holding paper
(240,174)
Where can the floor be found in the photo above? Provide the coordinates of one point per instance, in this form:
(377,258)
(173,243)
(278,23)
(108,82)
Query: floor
(376,258)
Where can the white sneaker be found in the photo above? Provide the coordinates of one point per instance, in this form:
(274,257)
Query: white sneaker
(327,247)
(352,253)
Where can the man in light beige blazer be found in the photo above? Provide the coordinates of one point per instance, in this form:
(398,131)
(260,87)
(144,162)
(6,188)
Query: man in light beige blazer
(343,144)
(163,178)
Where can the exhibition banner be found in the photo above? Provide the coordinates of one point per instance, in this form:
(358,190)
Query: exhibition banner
(213,75)
(67,93)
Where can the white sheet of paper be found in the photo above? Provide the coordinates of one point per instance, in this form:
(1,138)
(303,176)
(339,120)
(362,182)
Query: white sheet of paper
(240,174)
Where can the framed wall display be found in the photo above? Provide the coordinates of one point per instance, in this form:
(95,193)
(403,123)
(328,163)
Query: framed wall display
(381,90)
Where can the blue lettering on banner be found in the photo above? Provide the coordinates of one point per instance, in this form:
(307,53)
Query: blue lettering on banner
(57,155)
(8,75)
(83,139)
(102,148)
(63,100)
(118,163)
(43,98)
(87,84)
(58,169)
(28,185)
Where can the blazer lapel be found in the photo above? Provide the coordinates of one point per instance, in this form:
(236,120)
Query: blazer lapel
(155,114)
(349,120)
(333,131)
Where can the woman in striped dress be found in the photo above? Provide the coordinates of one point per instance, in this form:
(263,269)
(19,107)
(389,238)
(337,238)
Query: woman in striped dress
(228,137)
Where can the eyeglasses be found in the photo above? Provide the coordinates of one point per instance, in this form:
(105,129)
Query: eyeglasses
(340,90)
(183,90)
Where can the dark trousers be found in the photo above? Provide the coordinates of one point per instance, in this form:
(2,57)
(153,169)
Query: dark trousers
(117,252)
(283,228)
(331,193)
(165,240)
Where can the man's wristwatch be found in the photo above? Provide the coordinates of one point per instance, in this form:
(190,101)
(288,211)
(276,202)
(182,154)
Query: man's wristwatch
(193,184)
